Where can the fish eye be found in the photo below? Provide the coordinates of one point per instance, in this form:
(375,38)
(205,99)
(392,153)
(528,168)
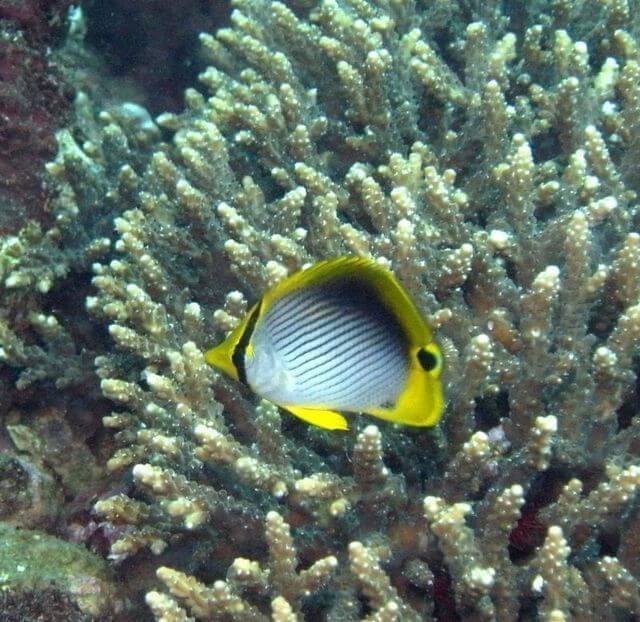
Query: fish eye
(428,359)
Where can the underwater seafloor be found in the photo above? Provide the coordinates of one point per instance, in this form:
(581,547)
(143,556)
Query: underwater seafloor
(155,181)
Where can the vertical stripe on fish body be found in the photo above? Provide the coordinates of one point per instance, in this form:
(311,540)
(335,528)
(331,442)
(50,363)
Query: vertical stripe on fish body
(342,335)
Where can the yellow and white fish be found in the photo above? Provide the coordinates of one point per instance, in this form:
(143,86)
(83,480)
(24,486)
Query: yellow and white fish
(342,335)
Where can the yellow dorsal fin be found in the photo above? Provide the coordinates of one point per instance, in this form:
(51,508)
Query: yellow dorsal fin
(327,419)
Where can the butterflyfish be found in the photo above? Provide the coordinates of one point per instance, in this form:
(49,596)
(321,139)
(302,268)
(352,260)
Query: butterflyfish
(341,335)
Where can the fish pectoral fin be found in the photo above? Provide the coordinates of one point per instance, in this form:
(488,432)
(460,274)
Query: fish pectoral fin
(327,419)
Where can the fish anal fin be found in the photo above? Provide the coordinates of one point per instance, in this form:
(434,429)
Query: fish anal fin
(327,419)
(420,404)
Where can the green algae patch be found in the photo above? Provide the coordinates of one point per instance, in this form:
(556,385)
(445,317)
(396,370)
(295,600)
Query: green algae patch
(32,560)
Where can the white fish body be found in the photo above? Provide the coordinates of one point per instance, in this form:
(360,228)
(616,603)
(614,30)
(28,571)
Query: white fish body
(323,347)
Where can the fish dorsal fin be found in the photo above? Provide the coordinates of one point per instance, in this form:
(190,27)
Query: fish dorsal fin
(327,419)
(378,278)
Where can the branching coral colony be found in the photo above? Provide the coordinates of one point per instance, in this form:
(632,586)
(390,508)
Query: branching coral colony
(491,159)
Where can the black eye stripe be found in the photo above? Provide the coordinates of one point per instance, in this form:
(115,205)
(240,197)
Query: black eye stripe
(237,358)
(428,360)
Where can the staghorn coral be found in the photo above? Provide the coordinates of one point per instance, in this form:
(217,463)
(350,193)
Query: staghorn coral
(246,575)
(489,156)
(52,447)
(45,274)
